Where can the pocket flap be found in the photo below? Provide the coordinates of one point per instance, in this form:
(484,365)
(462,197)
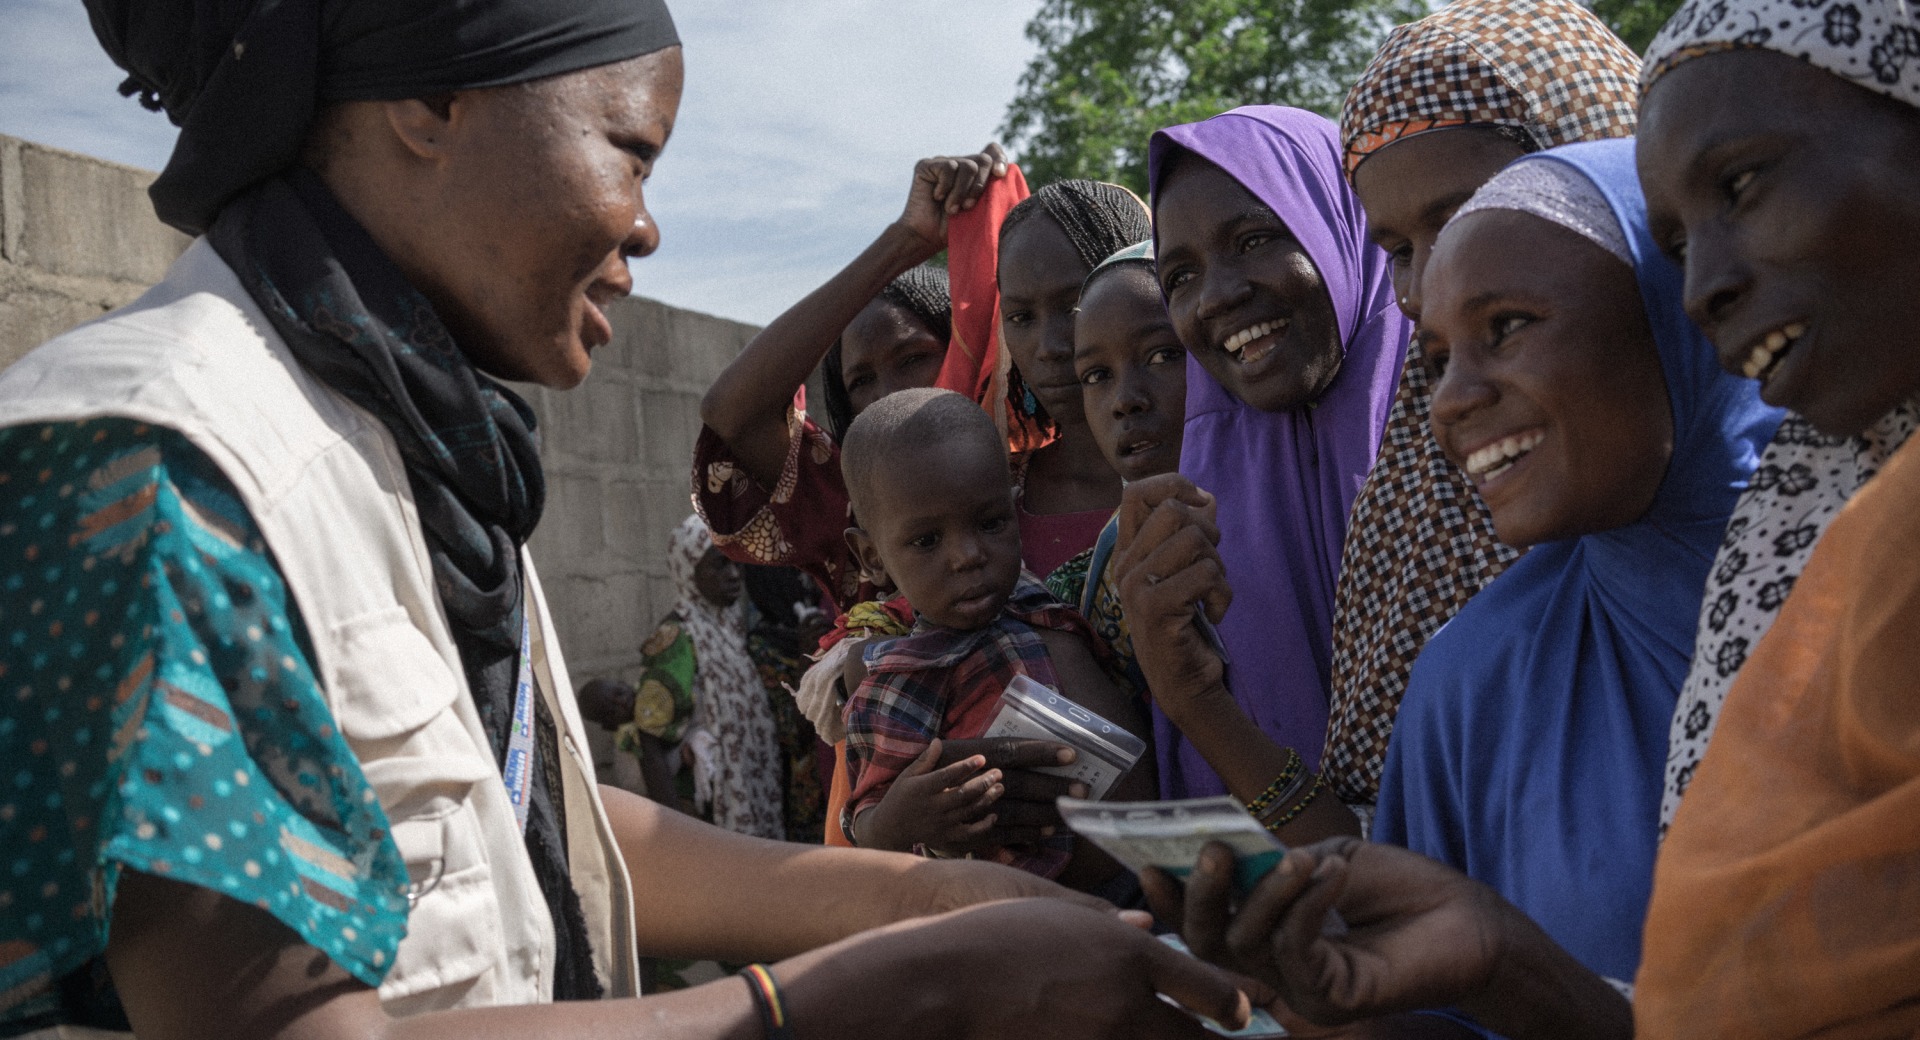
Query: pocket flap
(385,677)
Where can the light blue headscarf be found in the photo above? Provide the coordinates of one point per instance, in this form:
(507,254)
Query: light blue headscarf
(1530,747)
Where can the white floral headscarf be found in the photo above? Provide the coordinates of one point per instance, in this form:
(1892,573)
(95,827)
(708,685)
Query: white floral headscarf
(1872,43)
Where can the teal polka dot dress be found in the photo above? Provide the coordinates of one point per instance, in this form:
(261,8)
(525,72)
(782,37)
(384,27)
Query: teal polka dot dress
(159,712)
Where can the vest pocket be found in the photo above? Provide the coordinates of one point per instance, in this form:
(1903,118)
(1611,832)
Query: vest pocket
(384,677)
(453,925)
(394,698)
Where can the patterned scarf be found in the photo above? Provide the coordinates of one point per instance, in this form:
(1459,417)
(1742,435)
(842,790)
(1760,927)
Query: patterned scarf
(1874,44)
(472,461)
(1548,68)
(730,702)
(1420,543)
(1804,476)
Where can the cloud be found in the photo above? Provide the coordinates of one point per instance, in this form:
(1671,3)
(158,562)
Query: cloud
(795,143)
(799,131)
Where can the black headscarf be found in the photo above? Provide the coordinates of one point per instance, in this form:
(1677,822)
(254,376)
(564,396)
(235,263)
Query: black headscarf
(243,79)
(922,291)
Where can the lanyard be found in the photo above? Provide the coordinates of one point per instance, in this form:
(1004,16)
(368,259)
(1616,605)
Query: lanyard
(519,771)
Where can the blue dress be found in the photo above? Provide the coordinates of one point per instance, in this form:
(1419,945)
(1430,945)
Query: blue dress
(1531,747)
(159,712)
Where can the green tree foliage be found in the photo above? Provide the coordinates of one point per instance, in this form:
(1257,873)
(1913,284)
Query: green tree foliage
(1635,20)
(1110,72)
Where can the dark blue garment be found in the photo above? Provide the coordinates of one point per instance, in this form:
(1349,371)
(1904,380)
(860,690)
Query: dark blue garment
(1530,747)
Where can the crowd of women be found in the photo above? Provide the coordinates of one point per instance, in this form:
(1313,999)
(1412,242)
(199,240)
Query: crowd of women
(1499,492)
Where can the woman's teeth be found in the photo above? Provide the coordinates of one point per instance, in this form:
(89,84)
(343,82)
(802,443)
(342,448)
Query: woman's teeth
(1239,340)
(1766,354)
(1497,458)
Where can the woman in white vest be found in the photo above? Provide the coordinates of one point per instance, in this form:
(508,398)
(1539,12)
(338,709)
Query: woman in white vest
(287,747)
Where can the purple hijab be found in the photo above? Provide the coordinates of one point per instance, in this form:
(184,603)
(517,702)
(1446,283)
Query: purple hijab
(1286,481)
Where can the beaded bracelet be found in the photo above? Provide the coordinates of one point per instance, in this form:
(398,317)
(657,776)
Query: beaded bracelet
(1280,785)
(1313,791)
(766,1000)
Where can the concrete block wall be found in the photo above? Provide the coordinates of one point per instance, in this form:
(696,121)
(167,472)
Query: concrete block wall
(618,451)
(78,238)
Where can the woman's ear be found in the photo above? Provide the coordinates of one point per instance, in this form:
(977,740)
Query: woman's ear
(864,550)
(421,124)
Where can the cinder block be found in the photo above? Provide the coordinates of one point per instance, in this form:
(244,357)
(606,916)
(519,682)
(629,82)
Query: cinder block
(81,216)
(605,617)
(642,336)
(30,317)
(613,433)
(569,535)
(661,595)
(704,345)
(662,418)
(668,504)
(625,518)
(11,201)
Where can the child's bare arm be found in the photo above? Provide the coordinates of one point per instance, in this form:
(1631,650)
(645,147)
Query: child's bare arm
(1085,683)
(658,772)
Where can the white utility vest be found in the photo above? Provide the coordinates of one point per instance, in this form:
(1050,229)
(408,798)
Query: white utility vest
(329,492)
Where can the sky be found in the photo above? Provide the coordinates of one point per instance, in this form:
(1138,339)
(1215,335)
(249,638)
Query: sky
(795,145)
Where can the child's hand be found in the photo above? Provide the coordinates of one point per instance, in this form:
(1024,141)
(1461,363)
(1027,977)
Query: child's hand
(945,809)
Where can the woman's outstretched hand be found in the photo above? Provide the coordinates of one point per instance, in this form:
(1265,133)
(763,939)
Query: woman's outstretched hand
(1417,934)
(1031,967)
(1409,933)
(945,185)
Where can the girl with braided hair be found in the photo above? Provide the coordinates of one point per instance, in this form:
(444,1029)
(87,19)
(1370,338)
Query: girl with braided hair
(1049,244)
(924,293)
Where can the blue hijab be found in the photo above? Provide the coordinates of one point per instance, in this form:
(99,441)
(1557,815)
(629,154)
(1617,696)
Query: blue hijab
(1530,747)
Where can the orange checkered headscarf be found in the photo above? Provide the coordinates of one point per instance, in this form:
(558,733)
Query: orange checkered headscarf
(1547,68)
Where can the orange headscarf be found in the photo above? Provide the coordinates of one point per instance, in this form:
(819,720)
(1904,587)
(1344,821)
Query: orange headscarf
(1786,901)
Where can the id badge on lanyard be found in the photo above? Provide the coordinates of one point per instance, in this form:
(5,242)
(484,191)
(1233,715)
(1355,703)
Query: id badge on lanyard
(519,769)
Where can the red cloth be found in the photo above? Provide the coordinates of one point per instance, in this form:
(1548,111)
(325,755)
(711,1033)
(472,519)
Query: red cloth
(801,523)
(975,364)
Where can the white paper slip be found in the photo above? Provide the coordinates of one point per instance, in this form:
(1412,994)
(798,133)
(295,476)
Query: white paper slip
(1170,835)
(1106,751)
(1259,1024)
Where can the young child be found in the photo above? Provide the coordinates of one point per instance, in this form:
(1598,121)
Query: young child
(934,506)
(1133,384)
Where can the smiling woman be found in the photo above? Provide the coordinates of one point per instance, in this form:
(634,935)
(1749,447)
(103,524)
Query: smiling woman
(293,710)
(1294,348)
(1447,102)
(1574,392)
(1789,216)
(1780,156)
